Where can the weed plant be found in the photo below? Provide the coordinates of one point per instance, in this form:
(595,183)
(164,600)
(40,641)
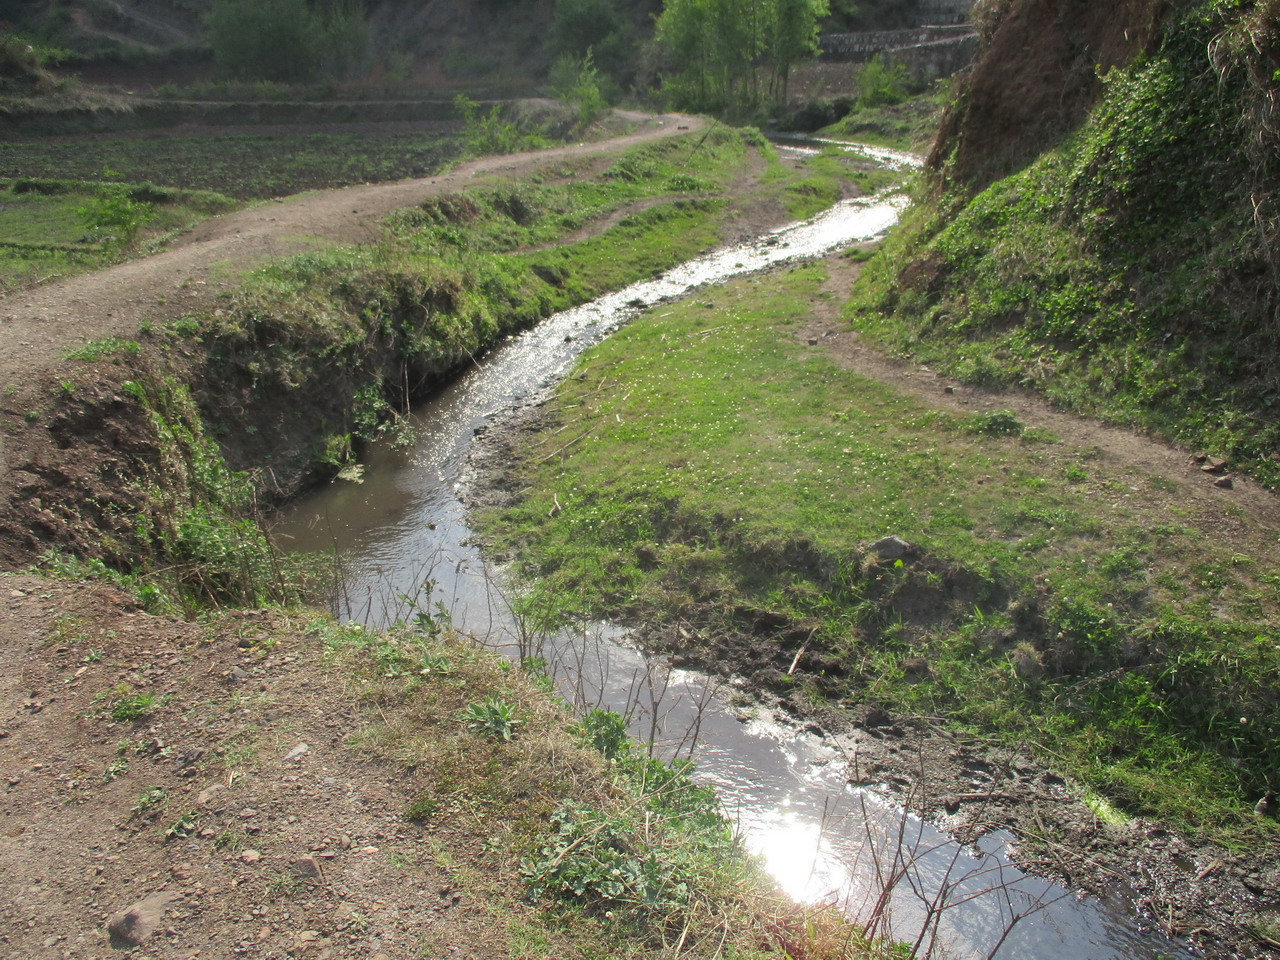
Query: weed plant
(198,521)
(591,848)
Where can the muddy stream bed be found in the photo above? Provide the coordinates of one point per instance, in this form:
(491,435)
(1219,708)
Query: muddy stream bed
(403,533)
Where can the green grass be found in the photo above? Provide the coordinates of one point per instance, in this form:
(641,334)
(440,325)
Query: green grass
(721,464)
(909,125)
(1129,273)
(454,274)
(46,231)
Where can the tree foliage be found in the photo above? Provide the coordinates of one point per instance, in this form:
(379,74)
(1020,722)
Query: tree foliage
(577,83)
(734,56)
(609,29)
(287,40)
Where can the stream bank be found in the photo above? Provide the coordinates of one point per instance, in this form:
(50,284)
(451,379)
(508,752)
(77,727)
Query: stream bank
(970,783)
(406,529)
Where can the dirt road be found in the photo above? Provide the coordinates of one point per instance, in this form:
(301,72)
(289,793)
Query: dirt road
(36,325)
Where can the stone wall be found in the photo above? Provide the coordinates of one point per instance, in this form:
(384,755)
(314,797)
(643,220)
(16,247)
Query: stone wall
(938,58)
(862,46)
(945,11)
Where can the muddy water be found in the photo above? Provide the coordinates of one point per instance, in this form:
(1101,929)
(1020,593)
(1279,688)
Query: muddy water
(402,535)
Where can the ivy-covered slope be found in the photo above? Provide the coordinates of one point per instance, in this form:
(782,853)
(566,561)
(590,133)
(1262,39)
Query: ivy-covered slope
(1121,255)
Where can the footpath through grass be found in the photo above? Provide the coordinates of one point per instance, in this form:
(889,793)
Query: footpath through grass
(707,460)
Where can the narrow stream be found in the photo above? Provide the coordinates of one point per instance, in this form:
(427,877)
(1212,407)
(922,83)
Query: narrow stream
(403,533)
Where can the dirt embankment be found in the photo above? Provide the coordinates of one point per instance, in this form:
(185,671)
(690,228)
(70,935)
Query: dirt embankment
(71,444)
(1035,80)
(175,789)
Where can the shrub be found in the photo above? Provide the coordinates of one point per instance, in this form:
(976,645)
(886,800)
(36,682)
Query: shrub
(285,40)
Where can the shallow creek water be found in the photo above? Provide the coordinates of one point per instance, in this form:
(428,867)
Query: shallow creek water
(403,533)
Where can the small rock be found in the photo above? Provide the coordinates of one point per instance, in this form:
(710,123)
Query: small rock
(248,813)
(250,856)
(1213,465)
(1224,482)
(187,758)
(308,868)
(891,548)
(207,796)
(813,341)
(345,842)
(1266,807)
(135,923)
(297,752)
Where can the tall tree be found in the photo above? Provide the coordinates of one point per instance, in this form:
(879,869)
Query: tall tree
(722,54)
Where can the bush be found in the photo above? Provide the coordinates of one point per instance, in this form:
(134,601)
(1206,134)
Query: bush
(285,40)
(880,85)
(114,215)
(577,83)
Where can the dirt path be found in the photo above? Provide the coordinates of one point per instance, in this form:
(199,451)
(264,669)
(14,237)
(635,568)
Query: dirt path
(1242,512)
(36,325)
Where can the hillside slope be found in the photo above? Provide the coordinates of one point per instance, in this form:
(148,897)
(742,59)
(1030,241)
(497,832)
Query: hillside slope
(1103,225)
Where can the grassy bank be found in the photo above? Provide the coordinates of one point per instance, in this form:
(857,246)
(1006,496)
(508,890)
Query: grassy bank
(364,329)
(1129,272)
(446,800)
(319,352)
(730,476)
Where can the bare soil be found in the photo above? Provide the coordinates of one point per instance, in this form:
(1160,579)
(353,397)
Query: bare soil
(296,843)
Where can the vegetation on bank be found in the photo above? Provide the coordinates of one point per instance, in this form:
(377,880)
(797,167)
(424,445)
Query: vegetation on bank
(589,848)
(727,474)
(1150,299)
(323,351)
(563,839)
